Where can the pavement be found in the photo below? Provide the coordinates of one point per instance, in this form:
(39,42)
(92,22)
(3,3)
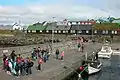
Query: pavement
(54,67)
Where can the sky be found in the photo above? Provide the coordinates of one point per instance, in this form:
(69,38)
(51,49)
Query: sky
(30,11)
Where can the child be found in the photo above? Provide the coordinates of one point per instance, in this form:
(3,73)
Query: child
(62,55)
(40,61)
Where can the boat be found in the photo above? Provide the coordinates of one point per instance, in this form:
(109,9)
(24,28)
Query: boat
(92,67)
(105,52)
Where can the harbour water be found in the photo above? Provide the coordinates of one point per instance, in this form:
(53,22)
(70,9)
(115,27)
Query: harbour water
(110,70)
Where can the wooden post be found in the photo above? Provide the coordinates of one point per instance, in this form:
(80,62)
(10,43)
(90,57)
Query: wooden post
(86,56)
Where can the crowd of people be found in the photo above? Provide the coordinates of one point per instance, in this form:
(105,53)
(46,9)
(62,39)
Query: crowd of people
(17,65)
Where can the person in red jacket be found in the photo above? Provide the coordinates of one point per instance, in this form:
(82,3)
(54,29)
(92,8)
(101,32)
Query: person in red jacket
(40,62)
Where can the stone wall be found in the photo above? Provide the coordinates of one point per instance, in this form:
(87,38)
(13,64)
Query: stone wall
(28,49)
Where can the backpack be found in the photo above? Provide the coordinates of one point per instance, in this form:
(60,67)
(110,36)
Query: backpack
(31,64)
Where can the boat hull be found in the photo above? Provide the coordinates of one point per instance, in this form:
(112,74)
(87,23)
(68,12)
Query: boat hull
(92,70)
(104,55)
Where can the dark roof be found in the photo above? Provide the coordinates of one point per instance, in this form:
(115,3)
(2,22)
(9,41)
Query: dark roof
(62,27)
(51,26)
(81,27)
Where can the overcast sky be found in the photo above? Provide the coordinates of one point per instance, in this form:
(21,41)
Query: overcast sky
(30,11)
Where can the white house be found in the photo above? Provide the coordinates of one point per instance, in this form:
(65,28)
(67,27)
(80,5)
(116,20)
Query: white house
(17,27)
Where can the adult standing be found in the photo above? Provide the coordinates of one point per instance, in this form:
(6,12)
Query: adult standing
(57,53)
(13,55)
(30,65)
(79,45)
(82,47)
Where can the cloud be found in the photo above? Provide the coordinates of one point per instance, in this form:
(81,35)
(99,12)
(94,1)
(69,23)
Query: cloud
(32,13)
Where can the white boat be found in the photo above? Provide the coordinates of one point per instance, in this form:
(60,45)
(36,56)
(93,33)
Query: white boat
(105,52)
(93,67)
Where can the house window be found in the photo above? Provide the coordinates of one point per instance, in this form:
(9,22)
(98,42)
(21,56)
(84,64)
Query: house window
(69,23)
(72,31)
(87,31)
(55,31)
(40,30)
(82,23)
(115,32)
(103,32)
(66,31)
(80,31)
(63,31)
(95,31)
(74,23)
(86,23)
(89,23)
(47,31)
(112,32)
(106,31)
(29,31)
(59,31)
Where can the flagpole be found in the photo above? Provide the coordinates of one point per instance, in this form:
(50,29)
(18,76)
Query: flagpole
(52,33)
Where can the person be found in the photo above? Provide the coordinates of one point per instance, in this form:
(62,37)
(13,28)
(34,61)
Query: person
(96,55)
(33,54)
(79,46)
(4,58)
(45,57)
(82,47)
(18,67)
(57,53)
(13,55)
(29,66)
(26,65)
(40,62)
(48,54)
(62,55)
